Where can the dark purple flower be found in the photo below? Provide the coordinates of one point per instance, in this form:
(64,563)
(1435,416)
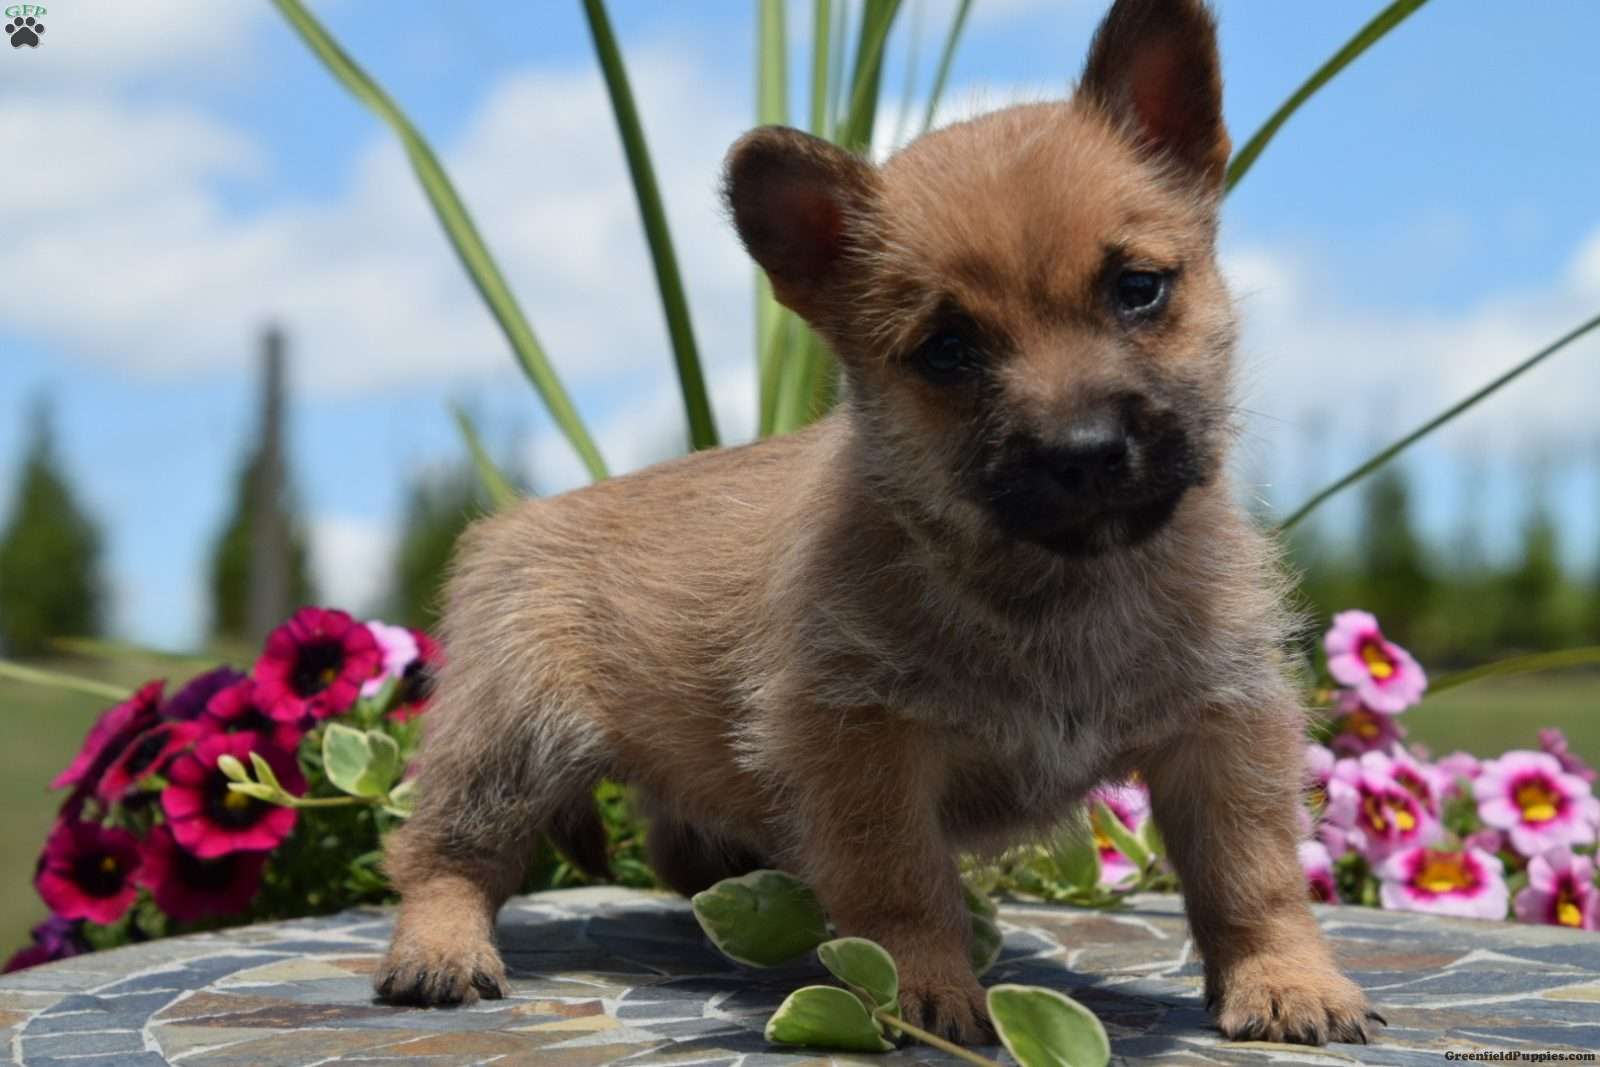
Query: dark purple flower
(188,703)
(54,939)
(187,887)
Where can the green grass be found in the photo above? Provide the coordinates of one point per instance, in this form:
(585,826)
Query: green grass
(43,728)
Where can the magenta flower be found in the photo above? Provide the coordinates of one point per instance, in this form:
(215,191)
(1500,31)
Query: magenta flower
(188,703)
(1470,884)
(1554,742)
(211,820)
(86,871)
(1131,805)
(412,658)
(1561,891)
(1376,812)
(147,754)
(1383,674)
(1419,779)
(237,709)
(1490,841)
(187,887)
(315,664)
(110,735)
(1358,729)
(1318,865)
(1456,767)
(1538,805)
(54,939)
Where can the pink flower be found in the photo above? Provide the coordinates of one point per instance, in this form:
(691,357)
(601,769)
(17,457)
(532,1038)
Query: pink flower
(1419,779)
(1538,805)
(1357,728)
(1470,883)
(1375,810)
(1318,865)
(398,649)
(110,735)
(412,658)
(1131,805)
(1554,742)
(315,665)
(1455,767)
(87,871)
(1383,674)
(147,754)
(1490,841)
(1561,891)
(211,820)
(237,709)
(187,887)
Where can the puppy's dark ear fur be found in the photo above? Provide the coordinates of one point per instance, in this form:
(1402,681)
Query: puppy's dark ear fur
(801,206)
(1153,68)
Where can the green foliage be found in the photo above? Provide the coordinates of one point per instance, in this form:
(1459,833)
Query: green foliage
(50,584)
(232,556)
(761,919)
(825,1016)
(438,508)
(1043,1028)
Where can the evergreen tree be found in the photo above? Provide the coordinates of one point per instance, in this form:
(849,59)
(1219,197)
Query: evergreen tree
(437,510)
(231,559)
(50,583)
(1531,618)
(1395,584)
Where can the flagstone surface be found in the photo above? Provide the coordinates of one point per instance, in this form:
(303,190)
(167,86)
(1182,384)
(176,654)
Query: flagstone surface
(613,976)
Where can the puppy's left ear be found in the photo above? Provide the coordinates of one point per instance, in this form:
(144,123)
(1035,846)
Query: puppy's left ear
(1153,68)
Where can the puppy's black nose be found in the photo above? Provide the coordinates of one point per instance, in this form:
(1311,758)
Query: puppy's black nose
(1091,458)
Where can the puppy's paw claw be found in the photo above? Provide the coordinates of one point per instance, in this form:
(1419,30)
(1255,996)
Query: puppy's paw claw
(958,1013)
(415,975)
(1268,1001)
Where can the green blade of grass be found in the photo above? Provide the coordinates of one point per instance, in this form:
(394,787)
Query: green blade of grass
(772,108)
(459,229)
(821,51)
(946,58)
(16,672)
(1433,424)
(1365,38)
(838,43)
(1506,668)
(501,493)
(913,57)
(866,78)
(674,304)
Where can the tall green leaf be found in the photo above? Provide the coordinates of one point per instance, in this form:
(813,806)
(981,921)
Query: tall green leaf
(772,108)
(459,228)
(1506,668)
(501,494)
(674,304)
(946,58)
(1434,423)
(866,78)
(1365,38)
(16,672)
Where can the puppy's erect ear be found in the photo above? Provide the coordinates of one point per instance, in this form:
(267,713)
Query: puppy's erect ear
(801,206)
(1153,67)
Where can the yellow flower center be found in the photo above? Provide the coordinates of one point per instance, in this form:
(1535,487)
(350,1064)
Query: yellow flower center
(1537,801)
(1380,811)
(235,801)
(109,864)
(1379,665)
(1567,911)
(327,676)
(1442,873)
(1404,819)
(1366,724)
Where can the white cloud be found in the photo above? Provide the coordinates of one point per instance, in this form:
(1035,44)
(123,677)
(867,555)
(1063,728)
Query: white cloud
(351,560)
(98,41)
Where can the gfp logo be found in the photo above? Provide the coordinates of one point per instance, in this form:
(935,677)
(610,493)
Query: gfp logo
(24,27)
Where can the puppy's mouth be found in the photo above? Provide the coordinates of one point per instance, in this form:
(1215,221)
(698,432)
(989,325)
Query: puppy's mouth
(1080,514)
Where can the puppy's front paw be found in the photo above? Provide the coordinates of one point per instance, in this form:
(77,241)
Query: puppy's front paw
(955,1010)
(434,973)
(1274,1000)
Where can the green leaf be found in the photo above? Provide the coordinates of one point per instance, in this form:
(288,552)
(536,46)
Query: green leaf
(264,773)
(1365,38)
(1537,661)
(16,672)
(256,790)
(762,919)
(1105,821)
(501,493)
(402,799)
(674,304)
(1150,837)
(363,764)
(459,228)
(825,1016)
(945,59)
(866,968)
(1043,1028)
(978,903)
(1433,424)
(232,769)
(987,940)
(1075,857)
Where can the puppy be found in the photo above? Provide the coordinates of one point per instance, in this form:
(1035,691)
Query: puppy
(1006,567)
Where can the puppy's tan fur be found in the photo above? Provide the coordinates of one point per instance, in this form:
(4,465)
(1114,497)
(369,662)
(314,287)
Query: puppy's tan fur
(823,652)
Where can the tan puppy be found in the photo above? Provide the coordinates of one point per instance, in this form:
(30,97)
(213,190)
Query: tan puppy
(1007,567)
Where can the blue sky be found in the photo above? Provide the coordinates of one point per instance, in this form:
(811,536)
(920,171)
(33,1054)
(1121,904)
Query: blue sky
(176,179)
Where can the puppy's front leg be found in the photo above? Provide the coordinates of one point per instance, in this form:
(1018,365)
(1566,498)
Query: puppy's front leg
(1226,796)
(870,843)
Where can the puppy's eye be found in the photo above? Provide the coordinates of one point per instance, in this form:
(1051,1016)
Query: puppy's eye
(946,358)
(1140,292)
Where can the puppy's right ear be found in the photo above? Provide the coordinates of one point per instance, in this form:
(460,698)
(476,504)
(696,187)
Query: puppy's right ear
(801,206)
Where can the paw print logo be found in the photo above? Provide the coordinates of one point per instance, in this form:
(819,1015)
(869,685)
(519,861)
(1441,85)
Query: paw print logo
(24,31)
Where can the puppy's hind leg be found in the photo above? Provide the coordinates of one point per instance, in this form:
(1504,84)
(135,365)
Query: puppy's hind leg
(489,783)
